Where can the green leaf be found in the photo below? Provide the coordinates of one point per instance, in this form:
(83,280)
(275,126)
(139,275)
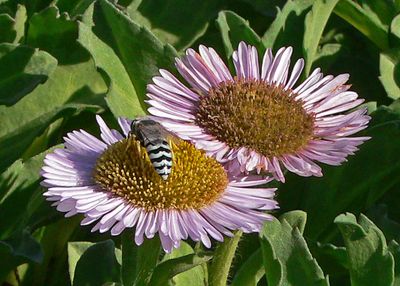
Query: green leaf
(20,20)
(22,122)
(183,258)
(379,215)
(7,33)
(381,11)
(12,30)
(139,51)
(21,70)
(129,258)
(183,269)
(251,271)
(355,185)
(387,65)
(395,32)
(138,263)
(315,23)
(16,250)
(267,8)
(53,237)
(94,264)
(56,34)
(147,259)
(70,88)
(295,219)
(74,82)
(74,8)
(121,96)
(336,253)
(367,251)
(394,249)
(327,55)
(180,28)
(287,259)
(356,16)
(235,29)
(20,194)
(75,251)
(288,27)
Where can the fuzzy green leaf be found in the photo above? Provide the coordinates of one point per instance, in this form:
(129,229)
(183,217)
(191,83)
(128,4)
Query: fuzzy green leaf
(56,34)
(21,70)
(287,259)
(387,67)
(22,122)
(395,32)
(180,28)
(92,264)
(138,263)
(358,17)
(16,250)
(182,267)
(288,27)
(7,32)
(370,262)
(394,249)
(121,96)
(75,251)
(20,194)
(195,276)
(355,185)
(139,51)
(74,82)
(235,29)
(315,23)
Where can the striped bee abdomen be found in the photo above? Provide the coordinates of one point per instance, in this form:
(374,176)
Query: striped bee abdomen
(160,155)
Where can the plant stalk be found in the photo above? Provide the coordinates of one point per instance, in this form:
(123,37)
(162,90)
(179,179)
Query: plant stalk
(222,261)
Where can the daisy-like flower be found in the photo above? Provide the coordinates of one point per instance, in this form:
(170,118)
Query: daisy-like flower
(113,184)
(259,119)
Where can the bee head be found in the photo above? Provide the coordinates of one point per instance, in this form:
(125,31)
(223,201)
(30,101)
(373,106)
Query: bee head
(142,122)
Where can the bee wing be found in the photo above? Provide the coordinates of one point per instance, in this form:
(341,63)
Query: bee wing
(169,136)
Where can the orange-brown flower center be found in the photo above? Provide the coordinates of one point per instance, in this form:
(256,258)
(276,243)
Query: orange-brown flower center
(195,181)
(256,115)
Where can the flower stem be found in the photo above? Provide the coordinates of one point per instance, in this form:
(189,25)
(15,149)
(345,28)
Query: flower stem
(223,257)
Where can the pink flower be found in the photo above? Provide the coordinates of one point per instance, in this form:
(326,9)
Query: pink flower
(259,119)
(114,185)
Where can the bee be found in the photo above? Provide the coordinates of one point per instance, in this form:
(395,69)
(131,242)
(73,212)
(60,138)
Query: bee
(154,138)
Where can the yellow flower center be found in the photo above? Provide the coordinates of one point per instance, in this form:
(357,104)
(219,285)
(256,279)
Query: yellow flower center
(195,181)
(256,115)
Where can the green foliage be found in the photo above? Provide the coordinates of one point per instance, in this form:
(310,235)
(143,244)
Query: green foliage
(21,195)
(235,29)
(364,21)
(288,27)
(7,33)
(138,264)
(87,258)
(370,262)
(141,55)
(182,266)
(16,250)
(195,276)
(29,67)
(250,272)
(314,25)
(286,256)
(354,186)
(62,61)
(181,28)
